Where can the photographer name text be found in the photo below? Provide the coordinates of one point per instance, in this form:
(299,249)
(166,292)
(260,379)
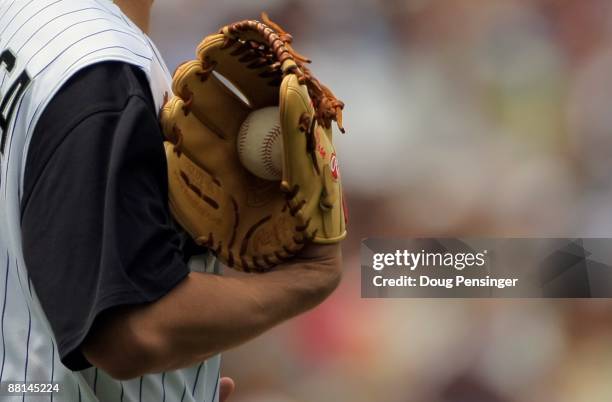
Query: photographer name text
(436,265)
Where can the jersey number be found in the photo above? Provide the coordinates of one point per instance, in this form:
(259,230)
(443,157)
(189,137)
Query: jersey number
(9,100)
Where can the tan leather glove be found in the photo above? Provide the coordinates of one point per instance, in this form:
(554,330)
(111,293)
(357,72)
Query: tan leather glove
(250,223)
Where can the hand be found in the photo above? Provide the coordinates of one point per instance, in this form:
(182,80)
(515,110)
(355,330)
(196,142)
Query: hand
(226,388)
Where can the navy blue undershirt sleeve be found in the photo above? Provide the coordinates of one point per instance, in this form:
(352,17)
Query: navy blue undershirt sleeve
(97,231)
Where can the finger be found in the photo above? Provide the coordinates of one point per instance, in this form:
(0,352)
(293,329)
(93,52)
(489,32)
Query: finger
(226,388)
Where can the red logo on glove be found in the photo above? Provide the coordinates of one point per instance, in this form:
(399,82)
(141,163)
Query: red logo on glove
(333,165)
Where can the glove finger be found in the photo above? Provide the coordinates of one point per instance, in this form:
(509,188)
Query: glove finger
(188,135)
(314,178)
(221,109)
(294,106)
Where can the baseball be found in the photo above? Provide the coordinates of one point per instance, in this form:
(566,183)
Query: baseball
(260,143)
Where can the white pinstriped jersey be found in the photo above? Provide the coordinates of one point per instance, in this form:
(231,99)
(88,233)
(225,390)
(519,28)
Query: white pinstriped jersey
(42,44)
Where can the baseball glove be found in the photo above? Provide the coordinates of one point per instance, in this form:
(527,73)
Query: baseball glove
(252,224)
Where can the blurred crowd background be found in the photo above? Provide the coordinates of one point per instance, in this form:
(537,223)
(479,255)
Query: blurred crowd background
(464,118)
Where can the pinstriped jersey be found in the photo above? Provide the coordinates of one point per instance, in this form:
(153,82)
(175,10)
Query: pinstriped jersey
(42,44)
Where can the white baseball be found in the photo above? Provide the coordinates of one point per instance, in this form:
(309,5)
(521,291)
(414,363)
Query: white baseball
(260,143)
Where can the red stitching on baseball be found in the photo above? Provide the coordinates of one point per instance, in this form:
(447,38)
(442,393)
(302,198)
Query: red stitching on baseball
(244,129)
(266,151)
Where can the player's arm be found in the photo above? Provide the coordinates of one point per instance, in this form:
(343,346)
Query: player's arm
(104,259)
(206,314)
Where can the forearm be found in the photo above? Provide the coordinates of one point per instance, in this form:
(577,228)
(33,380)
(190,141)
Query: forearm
(207,314)
(243,308)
